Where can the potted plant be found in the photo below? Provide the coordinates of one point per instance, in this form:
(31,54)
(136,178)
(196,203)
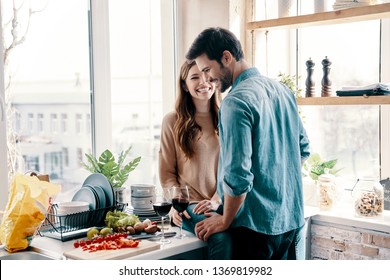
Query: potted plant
(313,167)
(116,171)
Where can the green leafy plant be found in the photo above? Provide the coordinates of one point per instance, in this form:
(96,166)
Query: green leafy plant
(116,172)
(315,166)
(290,82)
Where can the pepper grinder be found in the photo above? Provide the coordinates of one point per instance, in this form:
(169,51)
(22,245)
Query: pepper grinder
(310,83)
(326,82)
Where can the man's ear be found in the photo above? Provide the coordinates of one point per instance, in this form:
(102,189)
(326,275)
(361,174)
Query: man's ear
(227,58)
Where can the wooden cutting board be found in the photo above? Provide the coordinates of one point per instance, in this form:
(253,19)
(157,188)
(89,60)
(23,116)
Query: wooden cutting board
(143,247)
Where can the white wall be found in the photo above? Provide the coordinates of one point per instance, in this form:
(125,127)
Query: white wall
(196,15)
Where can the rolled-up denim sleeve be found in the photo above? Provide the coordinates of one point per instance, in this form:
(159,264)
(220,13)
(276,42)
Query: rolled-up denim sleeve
(235,139)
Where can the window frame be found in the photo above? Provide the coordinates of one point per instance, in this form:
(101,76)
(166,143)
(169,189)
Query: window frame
(384,137)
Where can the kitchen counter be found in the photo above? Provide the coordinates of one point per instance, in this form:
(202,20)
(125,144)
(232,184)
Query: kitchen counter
(188,247)
(192,248)
(346,216)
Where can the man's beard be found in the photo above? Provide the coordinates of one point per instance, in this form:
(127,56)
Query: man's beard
(225,79)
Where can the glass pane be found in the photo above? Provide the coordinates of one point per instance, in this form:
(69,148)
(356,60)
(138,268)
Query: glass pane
(350,134)
(135,51)
(48,88)
(353,49)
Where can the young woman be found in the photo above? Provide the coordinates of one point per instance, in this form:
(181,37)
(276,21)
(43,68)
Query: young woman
(189,151)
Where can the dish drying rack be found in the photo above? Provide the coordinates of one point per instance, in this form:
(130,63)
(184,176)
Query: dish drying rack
(75,225)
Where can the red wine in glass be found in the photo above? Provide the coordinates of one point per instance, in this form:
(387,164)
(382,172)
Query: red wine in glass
(162,208)
(180,202)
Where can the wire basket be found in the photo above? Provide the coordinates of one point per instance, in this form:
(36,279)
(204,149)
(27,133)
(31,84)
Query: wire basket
(70,226)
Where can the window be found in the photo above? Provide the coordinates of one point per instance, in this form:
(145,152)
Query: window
(123,108)
(40,123)
(54,123)
(65,156)
(47,80)
(64,121)
(18,121)
(30,123)
(343,132)
(79,123)
(136,83)
(351,134)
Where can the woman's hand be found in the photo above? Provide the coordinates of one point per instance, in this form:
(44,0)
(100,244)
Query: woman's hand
(176,218)
(205,206)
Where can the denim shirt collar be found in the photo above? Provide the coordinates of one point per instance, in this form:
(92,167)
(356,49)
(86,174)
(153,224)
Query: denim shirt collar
(246,74)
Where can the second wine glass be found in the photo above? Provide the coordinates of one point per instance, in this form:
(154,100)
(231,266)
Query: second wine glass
(180,202)
(162,207)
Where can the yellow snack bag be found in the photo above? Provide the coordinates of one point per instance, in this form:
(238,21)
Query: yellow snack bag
(29,200)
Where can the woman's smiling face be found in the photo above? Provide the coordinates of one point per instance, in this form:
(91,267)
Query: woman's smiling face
(198,87)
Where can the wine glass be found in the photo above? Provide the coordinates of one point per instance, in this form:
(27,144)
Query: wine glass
(180,201)
(162,207)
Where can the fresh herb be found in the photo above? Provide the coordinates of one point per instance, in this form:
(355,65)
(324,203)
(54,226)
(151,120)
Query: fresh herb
(315,166)
(290,82)
(116,172)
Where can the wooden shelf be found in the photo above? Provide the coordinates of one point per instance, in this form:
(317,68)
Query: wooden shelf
(334,17)
(345,100)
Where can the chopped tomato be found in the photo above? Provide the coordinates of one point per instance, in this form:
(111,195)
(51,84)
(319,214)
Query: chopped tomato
(112,243)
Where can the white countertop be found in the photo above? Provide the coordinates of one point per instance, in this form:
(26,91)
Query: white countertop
(343,216)
(346,216)
(177,246)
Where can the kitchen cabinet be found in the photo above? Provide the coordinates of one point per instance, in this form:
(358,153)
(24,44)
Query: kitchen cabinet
(370,12)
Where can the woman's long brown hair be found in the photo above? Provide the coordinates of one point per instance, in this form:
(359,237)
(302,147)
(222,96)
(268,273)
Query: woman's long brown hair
(186,129)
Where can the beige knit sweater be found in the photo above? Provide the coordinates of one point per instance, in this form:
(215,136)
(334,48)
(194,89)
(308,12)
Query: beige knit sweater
(198,173)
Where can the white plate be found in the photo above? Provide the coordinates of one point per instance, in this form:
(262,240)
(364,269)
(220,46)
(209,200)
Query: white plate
(87,195)
(97,179)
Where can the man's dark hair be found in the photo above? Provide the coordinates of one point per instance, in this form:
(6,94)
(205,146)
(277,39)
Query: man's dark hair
(213,42)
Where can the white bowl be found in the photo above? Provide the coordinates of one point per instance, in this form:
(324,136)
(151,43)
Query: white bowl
(143,202)
(71,207)
(142,190)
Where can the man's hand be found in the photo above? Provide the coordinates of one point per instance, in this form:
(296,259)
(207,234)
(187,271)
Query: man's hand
(209,226)
(216,223)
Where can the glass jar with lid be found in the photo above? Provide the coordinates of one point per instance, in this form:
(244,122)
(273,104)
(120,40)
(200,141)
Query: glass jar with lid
(368,197)
(327,189)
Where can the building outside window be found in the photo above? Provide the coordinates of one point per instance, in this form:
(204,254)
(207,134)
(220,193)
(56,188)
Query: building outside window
(54,123)
(40,123)
(30,122)
(64,123)
(79,123)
